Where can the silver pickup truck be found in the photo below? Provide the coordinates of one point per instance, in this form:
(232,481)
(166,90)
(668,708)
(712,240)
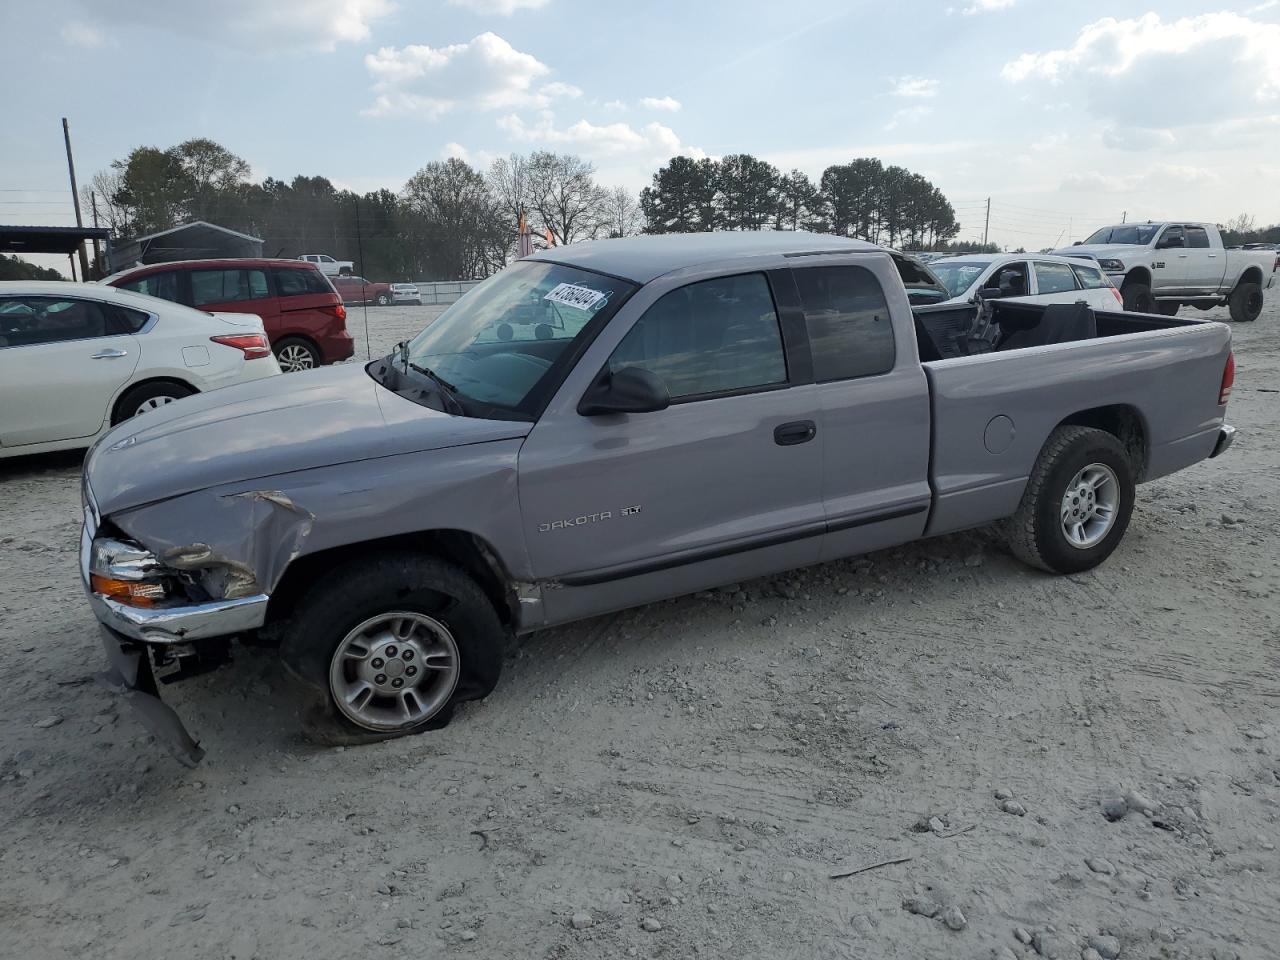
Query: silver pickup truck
(608,424)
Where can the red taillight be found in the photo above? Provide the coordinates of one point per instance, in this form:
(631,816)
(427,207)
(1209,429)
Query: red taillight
(337,310)
(253,345)
(1228,378)
(1118,295)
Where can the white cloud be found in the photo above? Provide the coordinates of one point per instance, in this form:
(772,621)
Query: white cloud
(558,89)
(669,104)
(1160,177)
(485,73)
(480,159)
(616,105)
(254,25)
(914,87)
(986,6)
(1264,6)
(502,8)
(611,139)
(908,115)
(1137,138)
(79,34)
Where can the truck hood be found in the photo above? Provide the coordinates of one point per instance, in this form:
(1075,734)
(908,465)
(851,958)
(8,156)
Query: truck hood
(276,425)
(1105,251)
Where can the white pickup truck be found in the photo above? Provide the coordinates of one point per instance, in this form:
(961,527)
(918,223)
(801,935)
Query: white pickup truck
(329,266)
(1164,266)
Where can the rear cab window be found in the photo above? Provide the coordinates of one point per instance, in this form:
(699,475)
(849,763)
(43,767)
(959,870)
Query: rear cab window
(1198,238)
(31,321)
(847,317)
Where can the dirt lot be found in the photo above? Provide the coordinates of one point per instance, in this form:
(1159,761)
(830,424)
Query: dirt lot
(687,777)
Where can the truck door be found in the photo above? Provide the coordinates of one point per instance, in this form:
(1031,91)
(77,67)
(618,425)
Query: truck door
(874,400)
(722,485)
(1171,268)
(1205,265)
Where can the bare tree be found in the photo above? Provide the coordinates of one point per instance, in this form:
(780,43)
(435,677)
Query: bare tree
(103,188)
(622,213)
(1240,223)
(564,194)
(508,180)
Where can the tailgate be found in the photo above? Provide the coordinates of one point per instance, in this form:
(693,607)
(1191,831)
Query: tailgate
(993,412)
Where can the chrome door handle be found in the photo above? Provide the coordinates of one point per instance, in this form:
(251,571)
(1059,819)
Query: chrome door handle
(110,353)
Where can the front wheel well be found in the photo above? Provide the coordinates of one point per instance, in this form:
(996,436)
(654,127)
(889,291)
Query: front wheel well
(177,381)
(464,549)
(1138,275)
(1123,422)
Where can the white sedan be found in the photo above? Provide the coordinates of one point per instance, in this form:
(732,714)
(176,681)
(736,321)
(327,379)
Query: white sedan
(77,358)
(1035,278)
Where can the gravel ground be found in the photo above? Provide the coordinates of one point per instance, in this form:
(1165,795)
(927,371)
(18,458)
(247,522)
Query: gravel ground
(683,779)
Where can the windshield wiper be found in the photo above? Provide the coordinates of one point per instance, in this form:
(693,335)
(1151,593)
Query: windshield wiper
(443,386)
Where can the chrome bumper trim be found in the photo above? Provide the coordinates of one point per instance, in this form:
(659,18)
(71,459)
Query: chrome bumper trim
(1226,436)
(196,621)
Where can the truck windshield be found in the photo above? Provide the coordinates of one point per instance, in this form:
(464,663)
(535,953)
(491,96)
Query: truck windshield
(957,275)
(499,345)
(1137,234)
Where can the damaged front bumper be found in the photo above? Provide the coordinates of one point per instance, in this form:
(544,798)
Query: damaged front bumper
(130,674)
(180,639)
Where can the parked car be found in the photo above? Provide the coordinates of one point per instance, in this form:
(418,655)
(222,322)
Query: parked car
(303,314)
(78,358)
(406,293)
(709,408)
(1164,266)
(360,290)
(1026,278)
(329,266)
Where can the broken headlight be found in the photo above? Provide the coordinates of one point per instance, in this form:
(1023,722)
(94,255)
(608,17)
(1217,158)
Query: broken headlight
(126,573)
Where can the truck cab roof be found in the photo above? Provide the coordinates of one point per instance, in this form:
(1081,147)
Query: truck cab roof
(641,259)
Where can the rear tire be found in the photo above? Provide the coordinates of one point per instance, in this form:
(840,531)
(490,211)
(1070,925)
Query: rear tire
(400,639)
(1061,525)
(1137,297)
(383,300)
(1245,303)
(295,354)
(1167,308)
(146,397)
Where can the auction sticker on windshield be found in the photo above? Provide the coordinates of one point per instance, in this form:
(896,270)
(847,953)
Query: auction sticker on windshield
(572,295)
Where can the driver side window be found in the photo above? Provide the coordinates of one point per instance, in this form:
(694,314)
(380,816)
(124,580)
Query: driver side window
(1172,237)
(709,338)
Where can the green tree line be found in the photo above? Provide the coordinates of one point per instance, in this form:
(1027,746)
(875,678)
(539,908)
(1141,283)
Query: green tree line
(453,221)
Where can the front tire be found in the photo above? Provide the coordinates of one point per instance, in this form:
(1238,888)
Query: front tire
(1077,503)
(1138,297)
(147,397)
(1245,303)
(393,643)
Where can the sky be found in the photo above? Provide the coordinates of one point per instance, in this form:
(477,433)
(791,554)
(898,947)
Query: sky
(1067,116)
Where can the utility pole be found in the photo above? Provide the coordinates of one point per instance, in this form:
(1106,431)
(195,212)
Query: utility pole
(986,225)
(75,198)
(1124,217)
(97,253)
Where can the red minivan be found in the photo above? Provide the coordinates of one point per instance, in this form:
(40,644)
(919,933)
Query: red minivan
(302,313)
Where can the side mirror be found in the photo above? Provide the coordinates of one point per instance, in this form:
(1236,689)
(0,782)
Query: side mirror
(630,390)
(1170,243)
(1077,243)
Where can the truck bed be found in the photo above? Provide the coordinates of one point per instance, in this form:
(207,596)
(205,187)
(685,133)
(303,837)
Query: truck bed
(995,397)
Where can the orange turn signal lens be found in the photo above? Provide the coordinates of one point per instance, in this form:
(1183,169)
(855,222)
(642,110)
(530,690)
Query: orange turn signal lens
(134,593)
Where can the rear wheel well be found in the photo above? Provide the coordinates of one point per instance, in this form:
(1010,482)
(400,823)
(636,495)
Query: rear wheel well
(1251,275)
(459,547)
(115,407)
(1124,423)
